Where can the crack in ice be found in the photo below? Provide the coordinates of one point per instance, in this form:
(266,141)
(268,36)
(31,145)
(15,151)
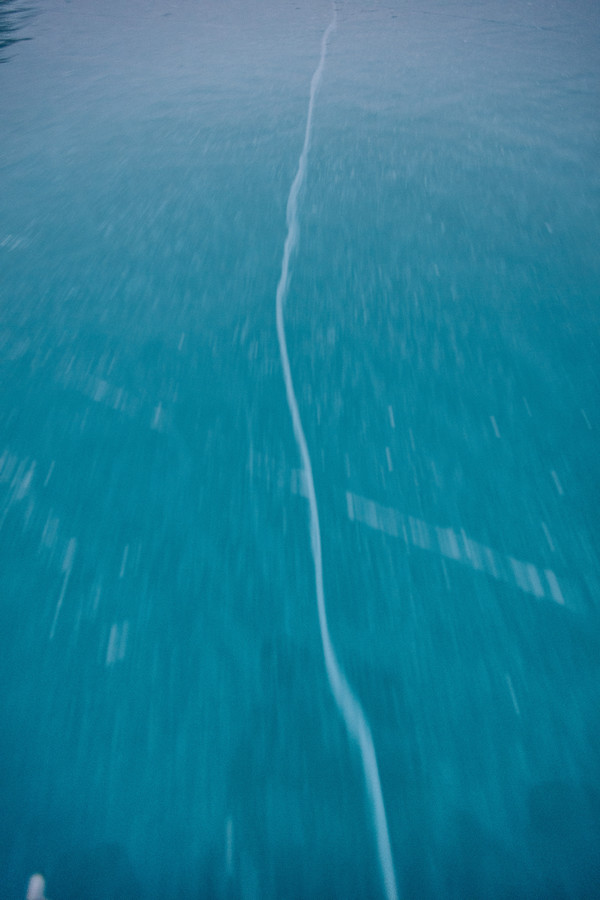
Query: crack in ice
(348,704)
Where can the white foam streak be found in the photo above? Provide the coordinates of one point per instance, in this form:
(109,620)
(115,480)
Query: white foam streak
(349,706)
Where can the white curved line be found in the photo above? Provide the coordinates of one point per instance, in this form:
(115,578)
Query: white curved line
(349,706)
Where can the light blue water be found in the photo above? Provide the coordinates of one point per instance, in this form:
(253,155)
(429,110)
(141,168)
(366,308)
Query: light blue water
(168,727)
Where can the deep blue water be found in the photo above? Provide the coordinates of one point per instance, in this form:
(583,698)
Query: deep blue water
(168,729)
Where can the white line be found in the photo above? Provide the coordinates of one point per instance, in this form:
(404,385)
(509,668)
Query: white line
(49,475)
(350,506)
(349,707)
(512,694)
(66,568)
(124,561)
(557,483)
(548,536)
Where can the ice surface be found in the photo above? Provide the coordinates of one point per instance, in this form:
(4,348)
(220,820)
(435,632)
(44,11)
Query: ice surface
(168,730)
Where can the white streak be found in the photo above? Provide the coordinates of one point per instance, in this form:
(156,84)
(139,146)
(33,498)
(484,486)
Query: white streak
(350,506)
(157,419)
(512,694)
(548,536)
(25,484)
(111,650)
(348,705)
(554,587)
(557,483)
(49,475)
(67,566)
(117,643)
(448,543)
(50,532)
(124,561)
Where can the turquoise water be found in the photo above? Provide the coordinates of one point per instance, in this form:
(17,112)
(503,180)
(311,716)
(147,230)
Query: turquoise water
(168,726)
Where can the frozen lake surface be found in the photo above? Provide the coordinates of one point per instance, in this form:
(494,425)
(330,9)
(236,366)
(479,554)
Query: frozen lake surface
(169,728)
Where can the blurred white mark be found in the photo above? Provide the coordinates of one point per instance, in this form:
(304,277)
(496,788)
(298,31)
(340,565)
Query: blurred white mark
(527,406)
(100,390)
(512,694)
(389,459)
(50,532)
(586,420)
(157,419)
(20,480)
(28,513)
(520,573)
(25,483)
(117,643)
(36,889)
(8,462)
(118,403)
(490,562)
(350,505)
(12,242)
(548,536)
(446,576)
(124,561)
(448,543)
(534,580)
(557,483)
(67,566)
(298,483)
(495,426)
(473,552)
(391,415)
(555,590)
(49,475)
(419,531)
(181,340)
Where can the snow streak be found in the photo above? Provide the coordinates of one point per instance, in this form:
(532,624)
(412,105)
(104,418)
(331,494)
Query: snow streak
(348,704)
